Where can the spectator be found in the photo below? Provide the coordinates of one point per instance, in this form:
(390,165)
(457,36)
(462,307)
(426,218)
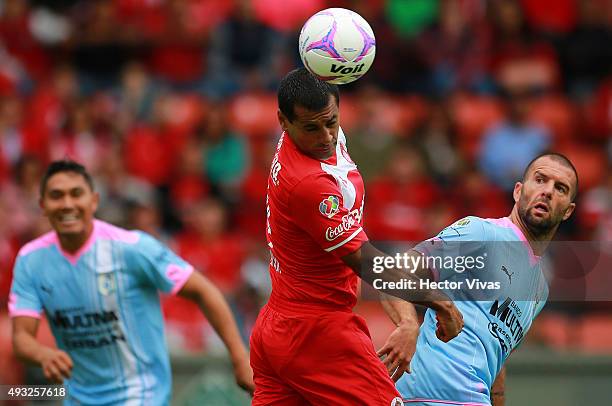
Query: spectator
(508,146)
(226,154)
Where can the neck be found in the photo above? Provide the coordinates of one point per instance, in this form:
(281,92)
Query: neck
(538,242)
(71,243)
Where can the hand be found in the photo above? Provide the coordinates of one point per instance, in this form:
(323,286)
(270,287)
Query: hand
(399,349)
(450,322)
(244,375)
(56,365)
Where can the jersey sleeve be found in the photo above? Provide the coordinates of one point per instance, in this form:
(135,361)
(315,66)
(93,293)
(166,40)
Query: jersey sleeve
(458,248)
(317,207)
(160,266)
(23,298)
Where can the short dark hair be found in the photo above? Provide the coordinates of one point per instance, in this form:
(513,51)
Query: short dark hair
(300,87)
(560,158)
(64,165)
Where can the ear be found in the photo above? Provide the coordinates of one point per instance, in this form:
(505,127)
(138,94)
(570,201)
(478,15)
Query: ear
(42,206)
(282,120)
(516,193)
(96,201)
(569,211)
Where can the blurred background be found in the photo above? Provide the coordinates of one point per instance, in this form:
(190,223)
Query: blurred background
(171,105)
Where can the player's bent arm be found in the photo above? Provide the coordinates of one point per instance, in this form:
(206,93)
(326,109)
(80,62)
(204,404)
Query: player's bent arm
(498,390)
(55,363)
(214,306)
(449,318)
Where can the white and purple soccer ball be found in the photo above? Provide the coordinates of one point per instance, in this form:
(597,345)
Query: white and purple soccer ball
(337,45)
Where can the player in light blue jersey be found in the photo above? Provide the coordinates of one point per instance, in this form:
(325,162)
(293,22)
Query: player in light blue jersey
(469,369)
(98,286)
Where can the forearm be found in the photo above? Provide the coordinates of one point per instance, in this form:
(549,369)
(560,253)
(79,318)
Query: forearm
(399,311)
(498,395)
(390,278)
(217,311)
(28,349)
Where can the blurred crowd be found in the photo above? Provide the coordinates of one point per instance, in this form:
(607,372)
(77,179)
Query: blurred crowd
(171,105)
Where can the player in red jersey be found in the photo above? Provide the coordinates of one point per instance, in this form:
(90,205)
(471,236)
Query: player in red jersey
(307,346)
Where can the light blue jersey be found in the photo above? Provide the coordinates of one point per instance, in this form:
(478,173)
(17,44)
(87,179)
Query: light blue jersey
(462,371)
(103,307)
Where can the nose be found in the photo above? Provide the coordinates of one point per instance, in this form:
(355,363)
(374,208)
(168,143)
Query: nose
(547,189)
(67,202)
(326,137)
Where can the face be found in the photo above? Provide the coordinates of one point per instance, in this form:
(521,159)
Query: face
(314,132)
(545,198)
(69,204)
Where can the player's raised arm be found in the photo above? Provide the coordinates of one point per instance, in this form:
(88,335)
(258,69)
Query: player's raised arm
(56,364)
(450,320)
(212,303)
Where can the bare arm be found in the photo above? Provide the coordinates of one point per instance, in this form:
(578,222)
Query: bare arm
(56,364)
(212,303)
(449,317)
(498,390)
(401,344)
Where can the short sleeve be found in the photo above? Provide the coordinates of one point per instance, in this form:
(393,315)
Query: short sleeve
(317,207)
(23,298)
(160,266)
(464,239)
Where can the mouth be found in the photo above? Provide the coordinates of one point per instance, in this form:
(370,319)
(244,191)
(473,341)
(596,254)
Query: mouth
(67,219)
(541,207)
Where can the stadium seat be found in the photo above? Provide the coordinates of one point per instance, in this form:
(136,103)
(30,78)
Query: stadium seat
(558,115)
(595,333)
(254,114)
(598,113)
(590,162)
(474,114)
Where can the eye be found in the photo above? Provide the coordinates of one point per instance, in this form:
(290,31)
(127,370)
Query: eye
(539,179)
(561,189)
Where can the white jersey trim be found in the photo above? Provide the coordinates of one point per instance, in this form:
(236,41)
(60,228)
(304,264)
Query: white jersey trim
(341,243)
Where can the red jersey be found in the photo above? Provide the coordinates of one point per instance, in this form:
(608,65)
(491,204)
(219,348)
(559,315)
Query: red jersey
(315,217)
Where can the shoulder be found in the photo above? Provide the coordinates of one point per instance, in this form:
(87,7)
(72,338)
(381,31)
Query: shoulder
(37,245)
(313,184)
(469,227)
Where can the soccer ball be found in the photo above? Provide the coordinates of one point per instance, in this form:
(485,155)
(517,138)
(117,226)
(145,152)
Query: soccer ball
(337,45)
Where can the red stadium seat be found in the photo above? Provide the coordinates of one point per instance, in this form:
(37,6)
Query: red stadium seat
(558,115)
(392,114)
(349,113)
(474,114)
(598,113)
(595,333)
(590,162)
(254,114)
(183,111)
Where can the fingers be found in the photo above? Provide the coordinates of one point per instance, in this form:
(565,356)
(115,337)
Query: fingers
(383,351)
(58,367)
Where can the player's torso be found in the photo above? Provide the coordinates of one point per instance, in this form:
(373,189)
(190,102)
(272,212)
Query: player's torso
(465,368)
(300,269)
(100,314)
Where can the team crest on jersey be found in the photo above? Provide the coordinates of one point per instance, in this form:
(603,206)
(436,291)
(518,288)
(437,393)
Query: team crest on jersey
(106,284)
(330,206)
(397,402)
(462,222)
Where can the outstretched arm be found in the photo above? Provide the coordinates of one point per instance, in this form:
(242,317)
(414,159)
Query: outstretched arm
(212,303)
(56,364)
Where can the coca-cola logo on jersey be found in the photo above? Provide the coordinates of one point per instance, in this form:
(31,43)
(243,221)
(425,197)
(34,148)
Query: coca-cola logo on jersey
(348,221)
